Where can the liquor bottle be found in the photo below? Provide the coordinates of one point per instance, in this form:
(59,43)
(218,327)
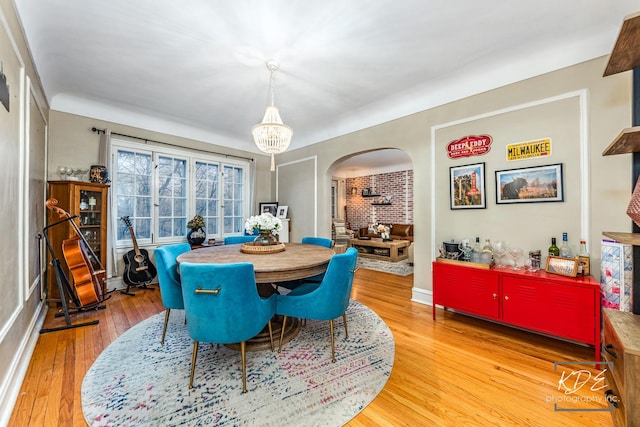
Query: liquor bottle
(487,252)
(584,260)
(477,250)
(553,249)
(565,250)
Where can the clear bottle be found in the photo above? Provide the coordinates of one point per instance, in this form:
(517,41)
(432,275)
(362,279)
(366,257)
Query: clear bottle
(584,260)
(554,250)
(565,250)
(487,248)
(477,250)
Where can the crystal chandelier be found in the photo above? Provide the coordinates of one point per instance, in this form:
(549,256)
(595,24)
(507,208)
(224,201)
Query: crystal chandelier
(272,136)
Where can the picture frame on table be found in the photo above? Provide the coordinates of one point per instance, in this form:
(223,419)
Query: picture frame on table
(530,185)
(282,211)
(271,207)
(562,266)
(467,188)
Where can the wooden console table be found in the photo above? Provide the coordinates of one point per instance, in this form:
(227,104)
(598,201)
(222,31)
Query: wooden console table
(394,250)
(564,307)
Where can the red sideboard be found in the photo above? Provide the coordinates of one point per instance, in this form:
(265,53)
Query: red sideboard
(560,306)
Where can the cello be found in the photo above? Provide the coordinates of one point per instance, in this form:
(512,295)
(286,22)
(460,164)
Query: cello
(87,281)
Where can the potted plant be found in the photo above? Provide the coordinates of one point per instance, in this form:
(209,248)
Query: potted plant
(196,234)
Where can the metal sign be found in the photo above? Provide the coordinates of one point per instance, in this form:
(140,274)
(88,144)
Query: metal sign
(467,146)
(528,149)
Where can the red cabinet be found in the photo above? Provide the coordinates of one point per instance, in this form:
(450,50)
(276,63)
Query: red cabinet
(560,306)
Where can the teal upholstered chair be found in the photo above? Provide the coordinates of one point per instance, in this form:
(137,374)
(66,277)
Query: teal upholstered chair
(169,279)
(322,301)
(222,305)
(236,240)
(318,241)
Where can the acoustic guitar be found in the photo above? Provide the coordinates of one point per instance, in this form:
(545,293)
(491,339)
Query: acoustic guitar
(138,270)
(86,281)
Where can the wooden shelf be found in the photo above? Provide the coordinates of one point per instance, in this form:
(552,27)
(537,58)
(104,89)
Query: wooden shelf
(380,204)
(628,141)
(625,55)
(627,238)
(371,195)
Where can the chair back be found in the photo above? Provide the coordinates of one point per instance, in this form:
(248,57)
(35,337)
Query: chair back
(168,277)
(236,240)
(221,302)
(319,241)
(326,300)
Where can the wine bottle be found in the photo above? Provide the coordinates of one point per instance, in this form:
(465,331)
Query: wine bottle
(584,260)
(553,249)
(565,250)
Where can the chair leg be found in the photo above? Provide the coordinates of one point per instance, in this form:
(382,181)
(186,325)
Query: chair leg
(344,320)
(166,321)
(284,323)
(193,362)
(243,352)
(333,346)
(271,335)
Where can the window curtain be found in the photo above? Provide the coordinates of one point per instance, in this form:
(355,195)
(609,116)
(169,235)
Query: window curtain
(104,159)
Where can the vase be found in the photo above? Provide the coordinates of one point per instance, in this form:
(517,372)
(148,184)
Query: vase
(265,238)
(196,236)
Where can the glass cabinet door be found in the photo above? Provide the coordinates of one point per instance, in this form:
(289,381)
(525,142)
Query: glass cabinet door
(90,218)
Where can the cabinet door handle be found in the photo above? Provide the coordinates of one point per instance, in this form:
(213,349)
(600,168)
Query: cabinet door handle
(506,297)
(607,348)
(612,398)
(495,296)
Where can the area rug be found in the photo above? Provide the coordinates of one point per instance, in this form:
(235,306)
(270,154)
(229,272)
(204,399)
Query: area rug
(138,382)
(401,268)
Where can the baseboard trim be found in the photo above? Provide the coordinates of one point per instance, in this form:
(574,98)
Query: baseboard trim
(422,296)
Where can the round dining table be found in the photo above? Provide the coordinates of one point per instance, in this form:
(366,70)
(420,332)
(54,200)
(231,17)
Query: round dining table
(297,261)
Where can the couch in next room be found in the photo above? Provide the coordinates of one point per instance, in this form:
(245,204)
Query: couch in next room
(396,232)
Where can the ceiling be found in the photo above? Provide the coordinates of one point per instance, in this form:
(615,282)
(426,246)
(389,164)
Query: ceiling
(196,69)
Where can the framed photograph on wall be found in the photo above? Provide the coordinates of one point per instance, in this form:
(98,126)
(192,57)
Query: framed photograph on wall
(467,186)
(271,207)
(282,211)
(527,185)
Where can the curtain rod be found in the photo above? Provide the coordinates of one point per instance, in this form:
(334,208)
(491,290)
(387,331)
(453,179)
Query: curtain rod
(99,131)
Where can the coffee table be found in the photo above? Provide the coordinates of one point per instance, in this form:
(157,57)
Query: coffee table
(394,250)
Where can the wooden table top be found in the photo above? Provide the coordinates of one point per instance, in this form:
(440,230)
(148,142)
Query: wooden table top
(297,261)
(377,242)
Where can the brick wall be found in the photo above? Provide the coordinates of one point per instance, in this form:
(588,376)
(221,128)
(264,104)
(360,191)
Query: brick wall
(397,185)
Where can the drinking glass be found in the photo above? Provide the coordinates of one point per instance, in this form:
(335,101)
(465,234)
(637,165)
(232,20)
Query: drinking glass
(62,171)
(515,253)
(499,251)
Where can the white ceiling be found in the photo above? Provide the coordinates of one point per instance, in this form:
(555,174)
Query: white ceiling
(196,68)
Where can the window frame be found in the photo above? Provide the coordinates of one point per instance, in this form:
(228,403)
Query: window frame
(191,157)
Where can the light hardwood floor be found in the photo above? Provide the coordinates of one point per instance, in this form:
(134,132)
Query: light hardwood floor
(456,371)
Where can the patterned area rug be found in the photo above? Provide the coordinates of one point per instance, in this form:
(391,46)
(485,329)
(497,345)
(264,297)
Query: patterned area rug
(401,268)
(138,382)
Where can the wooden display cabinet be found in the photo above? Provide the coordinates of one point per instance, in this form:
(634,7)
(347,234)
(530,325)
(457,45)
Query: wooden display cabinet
(88,200)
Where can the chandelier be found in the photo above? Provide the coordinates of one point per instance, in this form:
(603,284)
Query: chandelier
(272,136)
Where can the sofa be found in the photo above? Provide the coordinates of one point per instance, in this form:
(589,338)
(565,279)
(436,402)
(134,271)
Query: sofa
(396,232)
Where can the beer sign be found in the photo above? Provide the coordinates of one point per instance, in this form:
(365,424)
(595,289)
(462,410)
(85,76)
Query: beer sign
(529,149)
(467,146)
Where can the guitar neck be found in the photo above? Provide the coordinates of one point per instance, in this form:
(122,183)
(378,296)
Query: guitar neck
(135,242)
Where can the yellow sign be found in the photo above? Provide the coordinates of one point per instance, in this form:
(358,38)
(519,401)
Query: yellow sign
(526,150)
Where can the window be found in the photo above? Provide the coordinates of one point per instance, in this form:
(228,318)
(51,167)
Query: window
(161,190)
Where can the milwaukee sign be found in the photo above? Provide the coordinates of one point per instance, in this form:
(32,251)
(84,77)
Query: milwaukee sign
(472,145)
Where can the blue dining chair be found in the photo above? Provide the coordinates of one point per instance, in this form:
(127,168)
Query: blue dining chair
(169,279)
(236,240)
(318,241)
(222,305)
(322,301)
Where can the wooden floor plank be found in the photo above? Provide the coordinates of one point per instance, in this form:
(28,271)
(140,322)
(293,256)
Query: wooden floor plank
(455,371)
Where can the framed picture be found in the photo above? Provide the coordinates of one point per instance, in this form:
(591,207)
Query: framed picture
(271,207)
(365,192)
(526,185)
(467,186)
(282,211)
(562,266)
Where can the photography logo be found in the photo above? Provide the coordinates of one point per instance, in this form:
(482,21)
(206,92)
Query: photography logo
(582,387)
